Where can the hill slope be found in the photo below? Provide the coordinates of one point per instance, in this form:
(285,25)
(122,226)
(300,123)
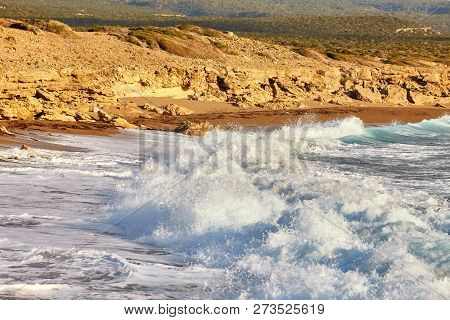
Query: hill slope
(250,8)
(434,12)
(230,8)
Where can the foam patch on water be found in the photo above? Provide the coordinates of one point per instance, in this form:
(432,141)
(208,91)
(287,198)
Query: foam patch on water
(36,291)
(24,220)
(75,273)
(303,230)
(47,162)
(46,266)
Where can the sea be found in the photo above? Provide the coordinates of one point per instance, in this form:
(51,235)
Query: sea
(332,210)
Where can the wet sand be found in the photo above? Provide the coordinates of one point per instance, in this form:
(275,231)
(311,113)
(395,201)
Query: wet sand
(27,133)
(221,114)
(226,115)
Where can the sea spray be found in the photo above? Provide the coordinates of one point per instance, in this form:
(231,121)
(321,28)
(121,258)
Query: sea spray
(290,224)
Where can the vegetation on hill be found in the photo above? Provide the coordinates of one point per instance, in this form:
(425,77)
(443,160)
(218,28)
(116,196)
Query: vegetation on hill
(436,12)
(252,8)
(346,42)
(389,50)
(339,37)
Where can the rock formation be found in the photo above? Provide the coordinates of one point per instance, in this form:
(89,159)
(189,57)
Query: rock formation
(5,131)
(50,72)
(194,128)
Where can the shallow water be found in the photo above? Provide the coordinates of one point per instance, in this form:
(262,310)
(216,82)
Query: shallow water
(311,211)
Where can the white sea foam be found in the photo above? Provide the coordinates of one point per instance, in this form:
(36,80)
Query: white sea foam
(37,291)
(24,220)
(324,211)
(305,230)
(57,273)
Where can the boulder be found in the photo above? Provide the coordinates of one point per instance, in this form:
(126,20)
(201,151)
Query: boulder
(20,25)
(7,113)
(348,85)
(242,105)
(152,108)
(24,147)
(82,117)
(366,94)
(56,27)
(5,131)
(44,95)
(365,74)
(432,78)
(94,109)
(104,116)
(122,123)
(194,128)
(18,112)
(57,115)
(341,100)
(396,95)
(434,90)
(176,110)
(419,98)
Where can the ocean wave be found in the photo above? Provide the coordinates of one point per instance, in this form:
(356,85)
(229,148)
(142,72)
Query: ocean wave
(413,133)
(303,231)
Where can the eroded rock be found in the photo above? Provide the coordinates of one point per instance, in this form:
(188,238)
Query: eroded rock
(44,95)
(104,116)
(122,123)
(152,108)
(169,110)
(5,131)
(194,128)
(83,117)
(396,95)
(72,78)
(366,94)
(57,115)
(419,98)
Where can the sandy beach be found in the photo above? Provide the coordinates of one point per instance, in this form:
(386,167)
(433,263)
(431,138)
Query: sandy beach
(220,114)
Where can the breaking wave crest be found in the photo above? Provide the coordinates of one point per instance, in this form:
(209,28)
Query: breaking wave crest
(286,226)
(418,133)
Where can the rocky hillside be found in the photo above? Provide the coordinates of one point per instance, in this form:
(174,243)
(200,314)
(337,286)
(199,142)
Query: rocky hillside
(50,72)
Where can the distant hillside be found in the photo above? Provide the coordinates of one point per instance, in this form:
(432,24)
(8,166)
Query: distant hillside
(252,8)
(237,8)
(134,12)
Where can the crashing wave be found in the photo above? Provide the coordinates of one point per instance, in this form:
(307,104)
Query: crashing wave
(285,226)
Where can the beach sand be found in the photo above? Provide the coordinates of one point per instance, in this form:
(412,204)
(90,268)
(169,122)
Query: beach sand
(219,114)
(225,114)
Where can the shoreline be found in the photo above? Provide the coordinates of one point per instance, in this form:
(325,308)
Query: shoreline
(57,80)
(24,131)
